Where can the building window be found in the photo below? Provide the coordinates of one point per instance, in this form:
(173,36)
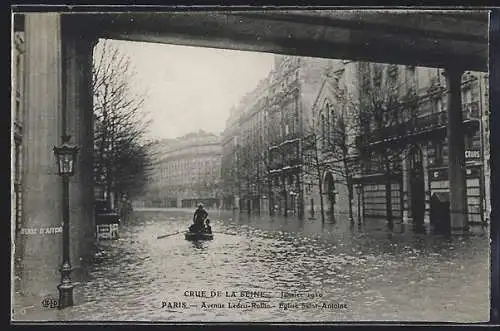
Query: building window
(467,96)
(410,76)
(437,105)
(328,127)
(332,125)
(469,141)
(377,75)
(439,152)
(393,71)
(323,127)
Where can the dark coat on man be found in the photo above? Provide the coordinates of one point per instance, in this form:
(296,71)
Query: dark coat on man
(199,217)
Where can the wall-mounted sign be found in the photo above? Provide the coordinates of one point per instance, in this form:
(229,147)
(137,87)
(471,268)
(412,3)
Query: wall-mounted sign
(472,154)
(42,231)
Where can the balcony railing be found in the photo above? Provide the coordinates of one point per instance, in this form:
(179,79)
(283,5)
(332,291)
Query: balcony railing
(423,124)
(276,165)
(292,137)
(285,162)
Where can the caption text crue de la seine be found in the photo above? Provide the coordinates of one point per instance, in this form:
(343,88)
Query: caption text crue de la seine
(248,299)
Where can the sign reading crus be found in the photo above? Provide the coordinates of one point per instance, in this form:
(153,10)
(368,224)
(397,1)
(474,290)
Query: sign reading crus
(472,154)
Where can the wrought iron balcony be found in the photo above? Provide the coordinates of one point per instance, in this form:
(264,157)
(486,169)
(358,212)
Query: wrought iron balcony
(422,127)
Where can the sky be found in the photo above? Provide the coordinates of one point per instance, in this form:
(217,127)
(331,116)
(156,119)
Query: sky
(192,88)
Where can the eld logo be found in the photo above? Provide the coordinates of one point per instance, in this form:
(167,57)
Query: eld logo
(49,302)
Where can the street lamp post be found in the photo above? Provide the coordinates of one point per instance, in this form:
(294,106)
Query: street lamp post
(66,157)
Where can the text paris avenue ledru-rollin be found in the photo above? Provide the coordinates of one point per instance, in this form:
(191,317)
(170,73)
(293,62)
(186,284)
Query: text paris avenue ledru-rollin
(263,300)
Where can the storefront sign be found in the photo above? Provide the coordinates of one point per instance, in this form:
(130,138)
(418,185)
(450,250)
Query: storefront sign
(472,154)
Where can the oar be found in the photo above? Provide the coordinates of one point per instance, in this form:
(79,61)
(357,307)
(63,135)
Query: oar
(229,234)
(167,235)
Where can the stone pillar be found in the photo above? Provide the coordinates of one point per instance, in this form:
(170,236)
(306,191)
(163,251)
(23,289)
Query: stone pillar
(485,123)
(77,80)
(456,152)
(425,166)
(42,189)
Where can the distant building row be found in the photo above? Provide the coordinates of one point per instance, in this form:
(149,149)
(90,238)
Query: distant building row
(186,172)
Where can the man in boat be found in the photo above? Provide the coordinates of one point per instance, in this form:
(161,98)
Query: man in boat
(199,218)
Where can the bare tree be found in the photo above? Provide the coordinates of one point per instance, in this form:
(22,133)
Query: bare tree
(340,142)
(314,165)
(123,158)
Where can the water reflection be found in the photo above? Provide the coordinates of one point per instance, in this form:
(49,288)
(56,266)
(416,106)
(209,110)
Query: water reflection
(199,244)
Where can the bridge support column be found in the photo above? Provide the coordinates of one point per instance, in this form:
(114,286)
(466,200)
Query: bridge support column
(77,83)
(456,153)
(41,255)
(427,195)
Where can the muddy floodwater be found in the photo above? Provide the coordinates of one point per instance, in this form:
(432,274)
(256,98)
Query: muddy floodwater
(263,269)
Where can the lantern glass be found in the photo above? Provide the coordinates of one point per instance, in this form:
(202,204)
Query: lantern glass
(66,156)
(66,164)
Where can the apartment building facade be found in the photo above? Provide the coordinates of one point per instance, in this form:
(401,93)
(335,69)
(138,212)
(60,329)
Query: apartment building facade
(266,160)
(407,153)
(418,146)
(187,172)
(229,161)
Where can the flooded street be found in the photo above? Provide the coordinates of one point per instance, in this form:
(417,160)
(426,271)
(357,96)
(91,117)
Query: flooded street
(361,273)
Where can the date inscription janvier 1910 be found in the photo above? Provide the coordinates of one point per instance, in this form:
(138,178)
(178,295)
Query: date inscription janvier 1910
(289,295)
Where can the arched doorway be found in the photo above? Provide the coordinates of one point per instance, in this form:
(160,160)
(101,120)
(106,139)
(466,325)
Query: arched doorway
(329,191)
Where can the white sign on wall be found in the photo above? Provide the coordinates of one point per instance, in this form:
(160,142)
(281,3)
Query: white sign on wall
(472,154)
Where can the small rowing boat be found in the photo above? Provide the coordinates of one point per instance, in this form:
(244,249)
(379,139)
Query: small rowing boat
(195,236)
